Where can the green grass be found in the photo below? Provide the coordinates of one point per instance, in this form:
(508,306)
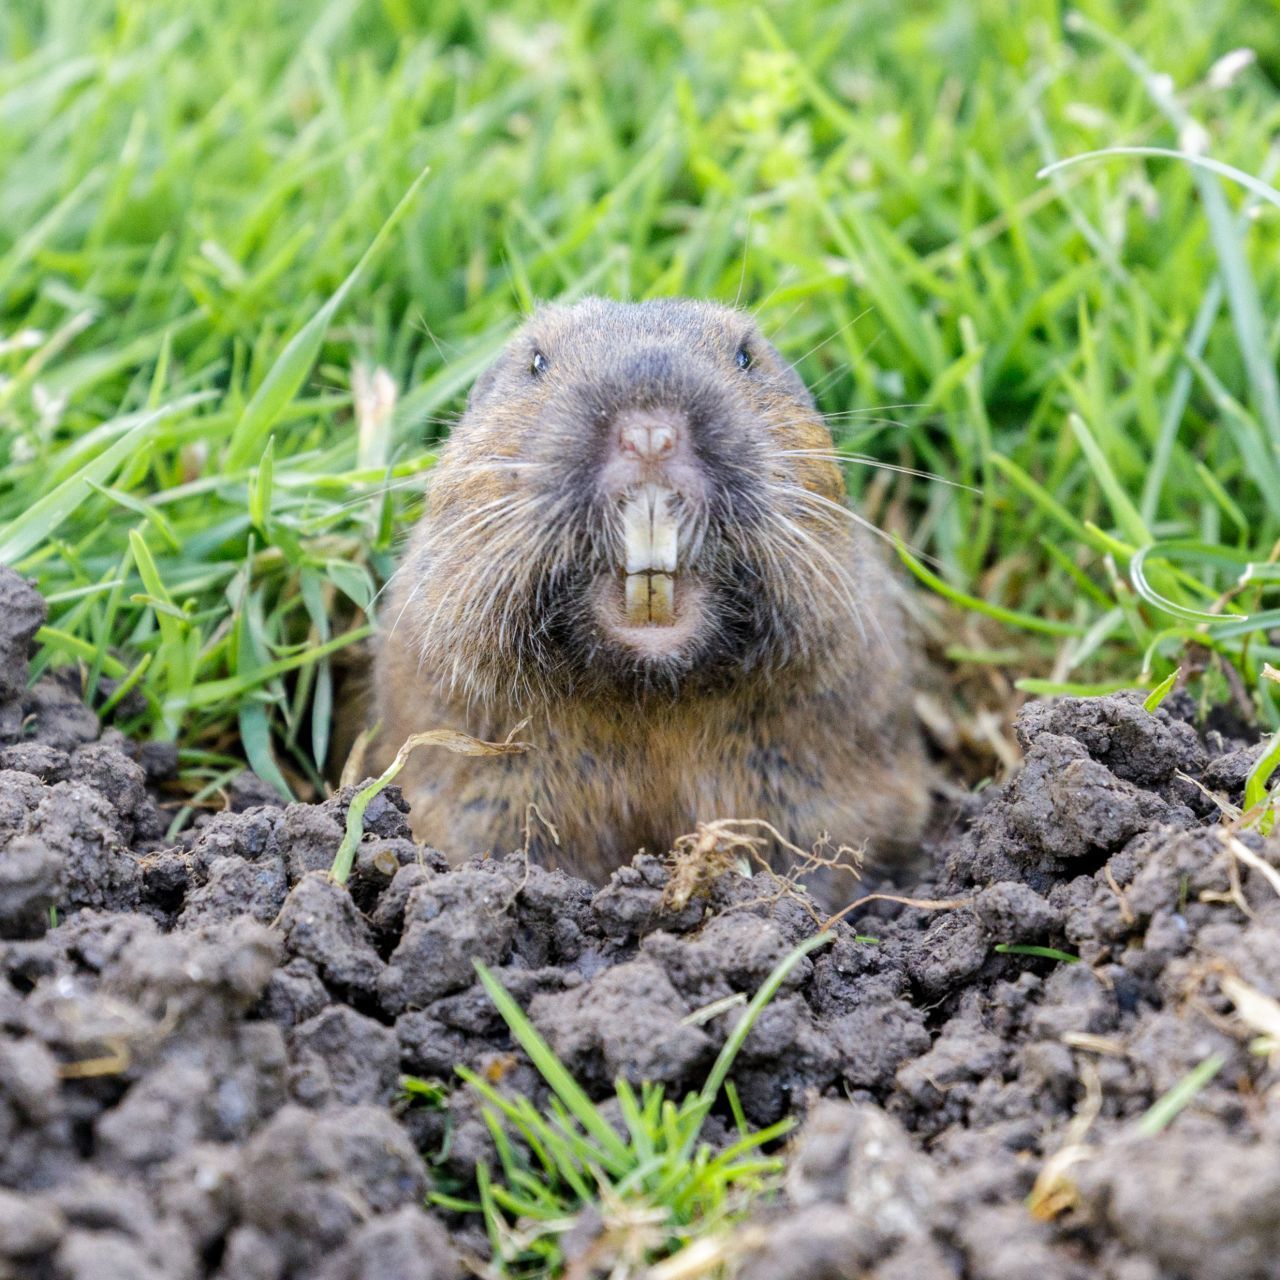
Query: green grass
(1166,1108)
(211,218)
(1030,949)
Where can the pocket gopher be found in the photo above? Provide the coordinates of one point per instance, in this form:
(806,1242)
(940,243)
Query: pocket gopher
(638,541)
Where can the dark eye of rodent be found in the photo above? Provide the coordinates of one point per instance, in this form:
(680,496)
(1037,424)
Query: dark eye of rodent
(743,358)
(539,364)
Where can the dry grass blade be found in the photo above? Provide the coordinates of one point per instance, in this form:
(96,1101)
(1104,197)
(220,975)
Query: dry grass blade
(353,769)
(109,1064)
(708,1257)
(1054,1191)
(1224,805)
(1256,1008)
(462,744)
(1092,1043)
(920,904)
(1238,849)
(701,857)
(700,1017)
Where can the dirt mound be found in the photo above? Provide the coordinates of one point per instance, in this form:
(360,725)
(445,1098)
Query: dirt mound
(200,1061)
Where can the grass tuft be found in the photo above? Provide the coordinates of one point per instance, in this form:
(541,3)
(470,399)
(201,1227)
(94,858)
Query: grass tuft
(652,1184)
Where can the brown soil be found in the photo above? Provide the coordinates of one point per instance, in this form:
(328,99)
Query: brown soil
(199,1064)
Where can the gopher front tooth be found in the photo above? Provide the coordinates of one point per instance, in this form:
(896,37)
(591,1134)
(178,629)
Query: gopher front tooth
(635,533)
(650,530)
(650,599)
(661,599)
(637,600)
(664,537)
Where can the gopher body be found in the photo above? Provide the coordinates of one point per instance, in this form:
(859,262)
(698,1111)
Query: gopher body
(637,541)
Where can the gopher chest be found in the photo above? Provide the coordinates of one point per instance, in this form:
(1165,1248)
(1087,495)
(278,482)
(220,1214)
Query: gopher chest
(618,793)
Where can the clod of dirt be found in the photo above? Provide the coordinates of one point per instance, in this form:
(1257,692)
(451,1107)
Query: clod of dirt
(342,1056)
(320,924)
(308,1180)
(1198,1204)
(29,1226)
(857,1190)
(630,1022)
(1143,747)
(22,614)
(449,921)
(30,884)
(402,1245)
(1016,913)
(52,714)
(1068,804)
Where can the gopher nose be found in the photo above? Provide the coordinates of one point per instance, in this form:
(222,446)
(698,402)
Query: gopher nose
(649,435)
(651,445)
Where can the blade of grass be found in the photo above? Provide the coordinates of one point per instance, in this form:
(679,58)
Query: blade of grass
(1122,509)
(552,1070)
(1166,1108)
(1241,289)
(1157,695)
(1073,689)
(45,516)
(1041,953)
(1046,626)
(287,374)
(725,1058)
(1255,785)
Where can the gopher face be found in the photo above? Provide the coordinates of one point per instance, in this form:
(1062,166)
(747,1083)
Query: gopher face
(639,495)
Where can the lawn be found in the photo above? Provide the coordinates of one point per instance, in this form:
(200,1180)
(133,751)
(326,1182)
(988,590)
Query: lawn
(248,268)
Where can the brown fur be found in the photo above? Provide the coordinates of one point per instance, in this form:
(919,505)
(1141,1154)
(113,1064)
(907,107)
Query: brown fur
(792,702)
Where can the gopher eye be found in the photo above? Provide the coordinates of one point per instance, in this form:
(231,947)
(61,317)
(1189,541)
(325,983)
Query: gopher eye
(539,364)
(744,358)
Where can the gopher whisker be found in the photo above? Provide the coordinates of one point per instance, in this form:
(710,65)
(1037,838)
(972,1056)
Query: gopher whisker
(870,409)
(839,577)
(863,459)
(831,337)
(507,560)
(817,500)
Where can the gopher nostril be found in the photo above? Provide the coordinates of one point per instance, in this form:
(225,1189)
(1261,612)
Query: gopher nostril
(647,440)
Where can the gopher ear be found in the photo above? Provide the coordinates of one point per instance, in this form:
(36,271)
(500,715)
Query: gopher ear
(483,384)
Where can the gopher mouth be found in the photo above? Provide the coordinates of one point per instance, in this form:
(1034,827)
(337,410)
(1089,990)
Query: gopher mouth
(650,606)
